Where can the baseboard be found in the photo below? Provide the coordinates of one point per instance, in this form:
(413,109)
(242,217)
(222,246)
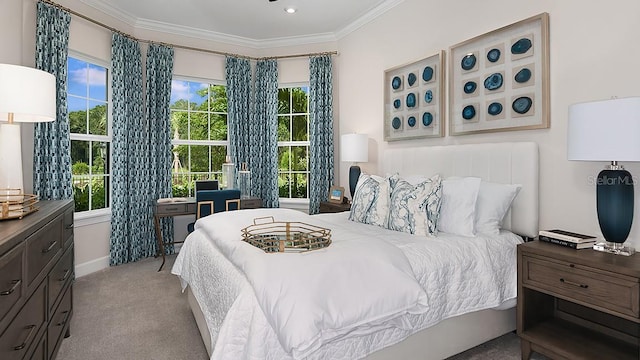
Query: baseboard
(92,266)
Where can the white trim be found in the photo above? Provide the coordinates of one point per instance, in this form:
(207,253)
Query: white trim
(92,266)
(86,218)
(368,17)
(295,204)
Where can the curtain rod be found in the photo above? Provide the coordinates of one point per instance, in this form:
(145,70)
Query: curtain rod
(96,22)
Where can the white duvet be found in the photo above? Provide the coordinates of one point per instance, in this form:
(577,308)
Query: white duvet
(371,288)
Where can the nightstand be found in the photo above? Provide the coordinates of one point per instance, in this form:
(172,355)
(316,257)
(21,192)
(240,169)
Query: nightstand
(331,207)
(578,304)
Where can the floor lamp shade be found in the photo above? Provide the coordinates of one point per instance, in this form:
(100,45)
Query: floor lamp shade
(608,131)
(26,95)
(354,148)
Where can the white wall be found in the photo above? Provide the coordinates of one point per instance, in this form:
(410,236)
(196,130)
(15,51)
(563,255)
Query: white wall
(593,56)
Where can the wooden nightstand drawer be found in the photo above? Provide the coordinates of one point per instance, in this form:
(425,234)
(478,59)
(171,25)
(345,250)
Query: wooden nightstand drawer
(251,203)
(330,207)
(610,291)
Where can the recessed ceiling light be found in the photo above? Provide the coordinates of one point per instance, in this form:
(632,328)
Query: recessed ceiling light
(289,10)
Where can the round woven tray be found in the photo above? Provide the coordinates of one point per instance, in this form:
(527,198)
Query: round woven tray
(285,236)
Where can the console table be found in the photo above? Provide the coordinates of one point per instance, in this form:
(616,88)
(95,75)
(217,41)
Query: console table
(188,207)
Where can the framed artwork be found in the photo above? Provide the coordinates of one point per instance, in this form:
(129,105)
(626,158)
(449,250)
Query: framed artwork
(336,193)
(499,81)
(414,100)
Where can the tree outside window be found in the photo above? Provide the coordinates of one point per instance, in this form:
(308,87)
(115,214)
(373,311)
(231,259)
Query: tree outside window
(293,142)
(199,128)
(89,122)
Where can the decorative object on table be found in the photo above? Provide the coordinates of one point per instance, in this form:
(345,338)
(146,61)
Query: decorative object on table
(15,205)
(244,181)
(608,131)
(336,194)
(283,236)
(228,179)
(500,80)
(26,95)
(567,239)
(414,100)
(354,148)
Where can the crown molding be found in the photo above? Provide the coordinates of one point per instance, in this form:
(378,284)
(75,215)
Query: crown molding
(187,31)
(368,17)
(112,11)
(181,30)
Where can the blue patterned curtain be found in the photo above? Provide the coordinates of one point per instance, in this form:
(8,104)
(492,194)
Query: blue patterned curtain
(320,131)
(132,236)
(264,134)
(159,71)
(52,147)
(238,108)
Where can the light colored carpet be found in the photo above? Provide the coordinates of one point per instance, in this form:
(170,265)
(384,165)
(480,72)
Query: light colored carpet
(133,312)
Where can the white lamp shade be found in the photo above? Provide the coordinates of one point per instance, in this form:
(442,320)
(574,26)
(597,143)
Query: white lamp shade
(28,93)
(354,148)
(606,130)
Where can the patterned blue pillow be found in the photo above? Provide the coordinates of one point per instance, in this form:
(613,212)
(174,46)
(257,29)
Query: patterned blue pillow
(415,209)
(370,204)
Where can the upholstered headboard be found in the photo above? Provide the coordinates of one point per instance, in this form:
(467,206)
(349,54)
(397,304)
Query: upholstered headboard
(507,163)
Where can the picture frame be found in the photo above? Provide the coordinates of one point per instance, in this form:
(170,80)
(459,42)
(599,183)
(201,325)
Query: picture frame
(414,99)
(499,81)
(336,193)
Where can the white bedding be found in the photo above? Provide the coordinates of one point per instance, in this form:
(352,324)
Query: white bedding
(459,275)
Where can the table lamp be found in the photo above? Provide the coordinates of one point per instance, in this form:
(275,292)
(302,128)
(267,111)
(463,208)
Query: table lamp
(26,95)
(608,130)
(354,148)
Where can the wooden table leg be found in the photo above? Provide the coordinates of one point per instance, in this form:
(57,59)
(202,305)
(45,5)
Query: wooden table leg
(525,348)
(156,219)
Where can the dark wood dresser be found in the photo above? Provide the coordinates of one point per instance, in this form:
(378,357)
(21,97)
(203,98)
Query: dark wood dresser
(36,277)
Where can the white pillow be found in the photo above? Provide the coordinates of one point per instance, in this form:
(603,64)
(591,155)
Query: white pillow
(414,209)
(457,213)
(494,201)
(370,204)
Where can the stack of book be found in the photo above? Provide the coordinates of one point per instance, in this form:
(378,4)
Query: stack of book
(568,239)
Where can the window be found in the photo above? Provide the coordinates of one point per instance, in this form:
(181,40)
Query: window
(90,133)
(199,127)
(293,142)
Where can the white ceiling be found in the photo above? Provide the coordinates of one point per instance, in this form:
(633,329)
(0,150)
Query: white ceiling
(254,23)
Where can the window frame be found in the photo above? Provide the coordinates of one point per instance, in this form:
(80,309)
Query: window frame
(290,201)
(190,142)
(88,217)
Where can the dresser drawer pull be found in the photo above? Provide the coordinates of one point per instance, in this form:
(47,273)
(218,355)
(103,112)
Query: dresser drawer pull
(170,209)
(32,329)
(51,246)
(66,318)
(66,275)
(562,280)
(14,286)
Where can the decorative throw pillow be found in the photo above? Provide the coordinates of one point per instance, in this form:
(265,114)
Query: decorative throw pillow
(414,208)
(459,197)
(494,201)
(370,204)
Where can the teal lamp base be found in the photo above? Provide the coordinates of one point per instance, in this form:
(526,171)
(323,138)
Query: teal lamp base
(614,197)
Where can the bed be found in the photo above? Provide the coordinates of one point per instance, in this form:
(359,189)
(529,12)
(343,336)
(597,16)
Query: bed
(237,320)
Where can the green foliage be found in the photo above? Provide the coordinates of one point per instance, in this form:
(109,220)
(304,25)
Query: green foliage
(80,168)
(99,196)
